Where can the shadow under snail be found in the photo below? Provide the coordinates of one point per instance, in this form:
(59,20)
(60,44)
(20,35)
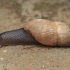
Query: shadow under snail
(38,31)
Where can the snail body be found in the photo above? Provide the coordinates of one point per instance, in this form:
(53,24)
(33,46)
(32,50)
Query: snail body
(39,31)
(17,37)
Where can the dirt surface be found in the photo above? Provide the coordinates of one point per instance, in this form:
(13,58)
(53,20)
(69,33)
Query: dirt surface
(13,15)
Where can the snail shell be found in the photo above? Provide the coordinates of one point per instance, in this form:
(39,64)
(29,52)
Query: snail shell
(49,33)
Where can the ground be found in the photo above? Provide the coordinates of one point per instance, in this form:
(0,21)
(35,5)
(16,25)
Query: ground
(13,15)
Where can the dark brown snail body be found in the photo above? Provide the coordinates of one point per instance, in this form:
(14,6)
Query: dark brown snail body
(38,31)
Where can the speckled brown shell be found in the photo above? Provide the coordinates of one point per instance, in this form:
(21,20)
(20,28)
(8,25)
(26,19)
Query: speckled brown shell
(49,33)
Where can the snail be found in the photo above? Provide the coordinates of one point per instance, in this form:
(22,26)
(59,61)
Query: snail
(38,31)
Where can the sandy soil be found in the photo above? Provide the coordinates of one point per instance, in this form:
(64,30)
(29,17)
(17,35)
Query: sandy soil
(13,14)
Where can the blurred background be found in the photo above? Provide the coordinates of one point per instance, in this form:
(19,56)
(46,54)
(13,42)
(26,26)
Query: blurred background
(13,15)
(15,12)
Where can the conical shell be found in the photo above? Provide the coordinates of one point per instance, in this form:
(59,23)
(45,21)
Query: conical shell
(49,33)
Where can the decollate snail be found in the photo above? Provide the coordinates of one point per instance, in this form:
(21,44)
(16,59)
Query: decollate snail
(38,31)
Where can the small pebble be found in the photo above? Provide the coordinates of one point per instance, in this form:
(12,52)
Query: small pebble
(43,66)
(4,50)
(1,58)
